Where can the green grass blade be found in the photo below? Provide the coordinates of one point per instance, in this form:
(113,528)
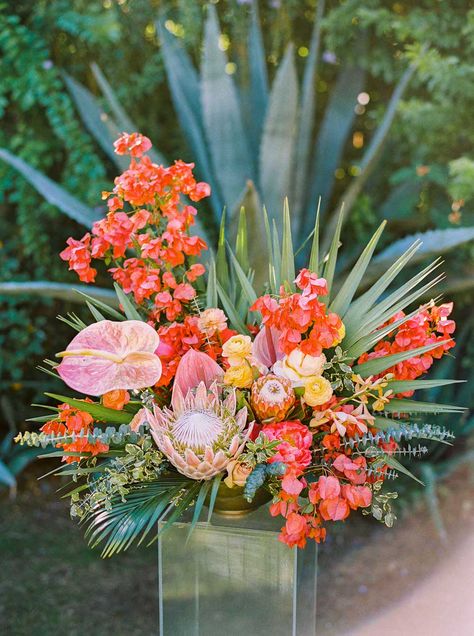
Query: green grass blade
(95,312)
(113,313)
(396,465)
(246,286)
(98,412)
(343,299)
(211,292)
(314,254)
(241,241)
(330,265)
(231,311)
(378,365)
(198,506)
(128,307)
(222,267)
(402,386)
(276,254)
(212,499)
(414,406)
(287,256)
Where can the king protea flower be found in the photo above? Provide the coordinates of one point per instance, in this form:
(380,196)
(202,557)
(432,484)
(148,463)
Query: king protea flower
(202,432)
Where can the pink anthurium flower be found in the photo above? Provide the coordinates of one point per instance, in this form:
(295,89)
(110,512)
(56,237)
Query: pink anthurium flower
(193,368)
(111,355)
(265,347)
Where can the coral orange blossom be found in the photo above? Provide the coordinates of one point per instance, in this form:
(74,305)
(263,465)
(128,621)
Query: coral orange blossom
(198,383)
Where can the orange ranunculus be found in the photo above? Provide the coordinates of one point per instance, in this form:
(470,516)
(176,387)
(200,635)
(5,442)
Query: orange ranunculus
(116,399)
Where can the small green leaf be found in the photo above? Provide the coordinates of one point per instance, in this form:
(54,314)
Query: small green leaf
(231,310)
(128,307)
(394,463)
(97,411)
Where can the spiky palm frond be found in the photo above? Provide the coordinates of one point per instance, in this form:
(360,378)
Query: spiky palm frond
(148,510)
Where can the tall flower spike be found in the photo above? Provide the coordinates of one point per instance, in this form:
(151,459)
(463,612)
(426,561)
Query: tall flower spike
(109,355)
(202,433)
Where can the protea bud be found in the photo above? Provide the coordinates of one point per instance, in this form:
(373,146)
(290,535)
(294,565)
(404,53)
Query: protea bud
(271,398)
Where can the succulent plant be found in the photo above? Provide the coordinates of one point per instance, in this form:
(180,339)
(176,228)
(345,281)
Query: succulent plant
(202,432)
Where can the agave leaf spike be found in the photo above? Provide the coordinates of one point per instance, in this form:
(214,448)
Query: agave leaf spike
(222,117)
(372,153)
(276,152)
(51,191)
(306,121)
(258,78)
(342,301)
(331,139)
(98,123)
(330,263)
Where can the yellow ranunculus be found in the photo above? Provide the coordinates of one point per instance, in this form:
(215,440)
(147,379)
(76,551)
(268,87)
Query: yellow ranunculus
(299,367)
(239,376)
(237,349)
(317,391)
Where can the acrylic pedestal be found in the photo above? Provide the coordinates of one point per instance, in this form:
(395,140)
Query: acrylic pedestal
(234,578)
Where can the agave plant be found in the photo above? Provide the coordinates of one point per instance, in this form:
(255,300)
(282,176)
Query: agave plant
(253,144)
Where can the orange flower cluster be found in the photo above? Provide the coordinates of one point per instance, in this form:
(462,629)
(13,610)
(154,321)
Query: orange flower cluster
(179,337)
(302,318)
(428,326)
(332,497)
(68,421)
(145,233)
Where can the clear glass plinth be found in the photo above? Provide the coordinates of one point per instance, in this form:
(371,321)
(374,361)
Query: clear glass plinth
(234,578)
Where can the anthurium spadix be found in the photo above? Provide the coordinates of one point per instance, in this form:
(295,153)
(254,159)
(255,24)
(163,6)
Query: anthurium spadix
(109,355)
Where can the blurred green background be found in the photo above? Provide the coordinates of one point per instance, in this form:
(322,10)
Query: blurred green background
(371,105)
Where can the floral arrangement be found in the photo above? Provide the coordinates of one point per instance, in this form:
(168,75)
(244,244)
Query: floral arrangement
(202,391)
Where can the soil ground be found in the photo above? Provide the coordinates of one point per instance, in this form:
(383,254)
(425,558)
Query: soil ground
(52,584)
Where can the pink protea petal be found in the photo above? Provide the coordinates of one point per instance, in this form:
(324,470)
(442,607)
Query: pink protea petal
(265,347)
(193,368)
(220,460)
(208,455)
(241,418)
(191,458)
(230,403)
(142,417)
(234,445)
(109,355)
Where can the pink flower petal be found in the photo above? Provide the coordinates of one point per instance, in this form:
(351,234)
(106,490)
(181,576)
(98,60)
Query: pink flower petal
(195,367)
(265,346)
(109,355)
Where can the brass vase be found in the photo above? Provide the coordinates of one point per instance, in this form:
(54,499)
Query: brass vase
(230,502)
